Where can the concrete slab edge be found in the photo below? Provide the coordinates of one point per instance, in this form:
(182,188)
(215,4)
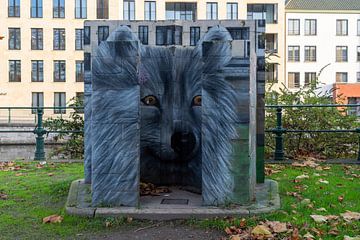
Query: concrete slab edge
(168,214)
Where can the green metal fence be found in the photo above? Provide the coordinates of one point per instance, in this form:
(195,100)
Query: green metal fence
(279,131)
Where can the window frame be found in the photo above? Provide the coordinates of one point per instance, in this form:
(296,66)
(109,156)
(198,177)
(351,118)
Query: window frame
(38,9)
(102,9)
(195,33)
(17,70)
(341,74)
(59,63)
(79,76)
(295,48)
(102,38)
(233,11)
(310,31)
(129,10)
(274,73)
(340,32)
(82,9)
(143,35)
(296,84)
(309,55)
(39,41)
(337,59)
(358,53)
(172,11)
(59,8)
(38,104)
(213,13)
(16,40)
(14,7)
(61,38)
(61,97)
(293,32)
(79,41)
(309,82)
(38,72)
(175,30)
(152,12)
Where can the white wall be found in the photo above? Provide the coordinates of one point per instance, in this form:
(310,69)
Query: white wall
(325,42)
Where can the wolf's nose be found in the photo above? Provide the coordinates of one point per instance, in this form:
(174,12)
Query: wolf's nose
(183,143)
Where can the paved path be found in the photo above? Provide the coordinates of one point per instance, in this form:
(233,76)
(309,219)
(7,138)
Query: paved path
(160,231)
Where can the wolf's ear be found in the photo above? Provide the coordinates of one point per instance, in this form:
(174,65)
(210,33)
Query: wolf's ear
(123,42)
(115,62)
(215,48)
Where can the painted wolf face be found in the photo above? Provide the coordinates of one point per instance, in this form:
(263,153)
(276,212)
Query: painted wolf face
(182,99)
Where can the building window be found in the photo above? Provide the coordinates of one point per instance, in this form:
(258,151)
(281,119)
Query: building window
(14,39)
(80,101)
(102,9)
(36,9)
(232,11)
(358,77)
(294,79)
(211,11)
(150,10)
(310,78)
(14,8)
(294,27)
(310,27)
(358,27)
(37,101)
(180,11)
(79,39)
(14,71)
(341,53)
(59,71)
(87,35)
(59,8)
(59,39)
(310,53)
(168,35)
(80,9)
(341,77)
(129,10)
(60,102)
(36,39)
(358,54)
(354,110)
(239,33)
(79,74)
(341,27)
(261,41)
(144,34)
(266,12)
(194,35)
(103,33)
(272,73)
(271,44)
(293,53)
(37,71)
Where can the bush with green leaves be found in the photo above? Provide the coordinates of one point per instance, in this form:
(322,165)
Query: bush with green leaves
(319,145)
(74,142)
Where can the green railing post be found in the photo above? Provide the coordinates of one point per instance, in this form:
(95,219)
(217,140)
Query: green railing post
(279,140)
(9,115)
(40,132)
(358,132)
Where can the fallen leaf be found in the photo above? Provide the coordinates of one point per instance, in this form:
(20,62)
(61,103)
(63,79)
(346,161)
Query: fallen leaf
(276,226)
(3,196)
(50,174)
(308,236)
(341,198)
(295,234)
(323,181)
(334,232)
(261,230)
(321,209)
(305,201)
(350,216)
(53,219)
(302,176)
(319,218)
(351,238)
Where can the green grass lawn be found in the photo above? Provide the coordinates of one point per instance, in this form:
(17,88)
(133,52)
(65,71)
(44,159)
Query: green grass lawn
(29,194)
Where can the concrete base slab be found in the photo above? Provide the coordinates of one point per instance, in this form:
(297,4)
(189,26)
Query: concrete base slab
(179,204)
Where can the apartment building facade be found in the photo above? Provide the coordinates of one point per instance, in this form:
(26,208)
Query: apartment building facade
(323,40)
(41,56)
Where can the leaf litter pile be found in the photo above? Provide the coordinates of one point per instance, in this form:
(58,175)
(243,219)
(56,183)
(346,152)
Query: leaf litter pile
(149,189)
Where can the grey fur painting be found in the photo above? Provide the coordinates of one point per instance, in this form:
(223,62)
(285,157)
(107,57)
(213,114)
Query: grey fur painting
(165,115)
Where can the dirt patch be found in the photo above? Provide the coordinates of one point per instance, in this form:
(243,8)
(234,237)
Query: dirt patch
(160,231)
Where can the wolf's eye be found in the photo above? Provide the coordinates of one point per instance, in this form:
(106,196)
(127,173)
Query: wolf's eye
(150,100)
(196,100)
